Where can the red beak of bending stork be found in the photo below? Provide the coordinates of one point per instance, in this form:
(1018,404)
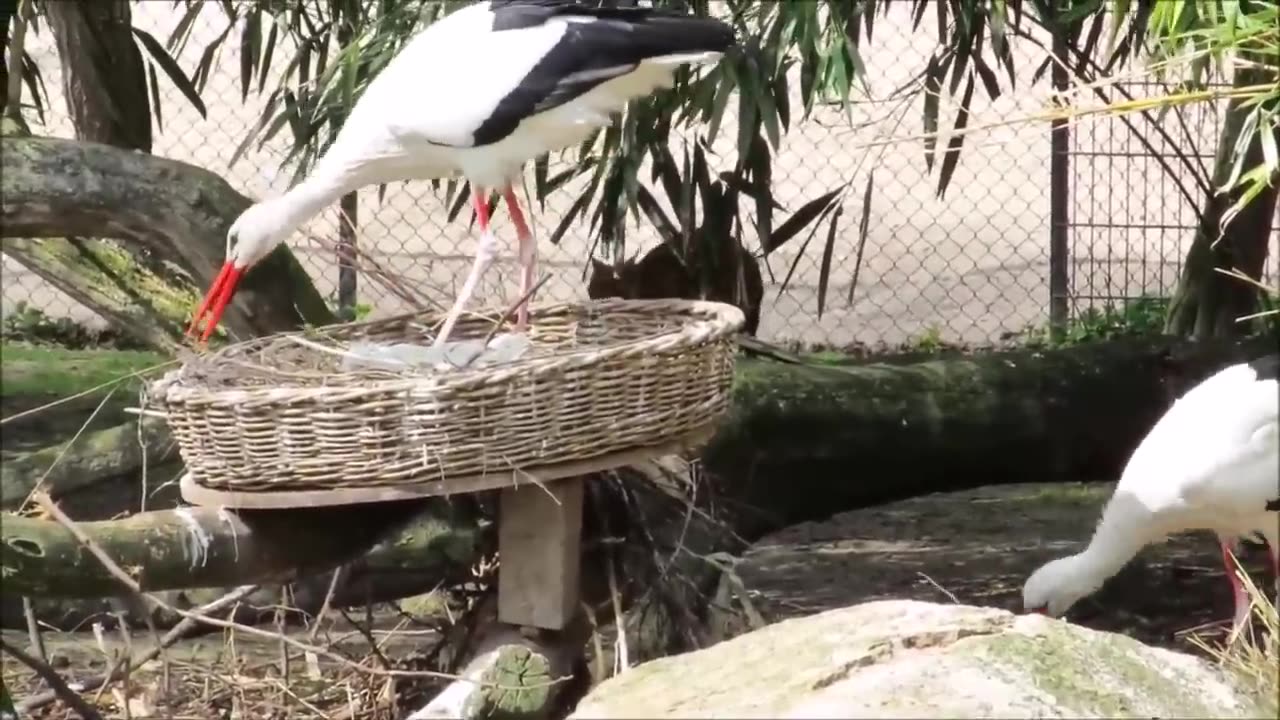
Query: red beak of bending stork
(216,300)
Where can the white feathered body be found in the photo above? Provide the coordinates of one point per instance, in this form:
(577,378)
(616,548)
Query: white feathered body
(1213,460)
(415,119)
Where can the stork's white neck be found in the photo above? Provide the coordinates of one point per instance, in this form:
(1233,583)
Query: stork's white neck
(1125,528)
(316,192)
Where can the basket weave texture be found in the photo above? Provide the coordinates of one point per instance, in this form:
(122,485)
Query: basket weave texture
(600,377)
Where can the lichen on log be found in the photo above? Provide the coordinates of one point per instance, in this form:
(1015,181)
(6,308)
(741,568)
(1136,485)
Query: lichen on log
(510,675)
(108,279)
(179,212)
(93,457)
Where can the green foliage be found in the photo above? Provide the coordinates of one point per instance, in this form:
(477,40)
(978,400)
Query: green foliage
(30,324)
(929,341)
(1143,316)
(1191,41)
(43,370)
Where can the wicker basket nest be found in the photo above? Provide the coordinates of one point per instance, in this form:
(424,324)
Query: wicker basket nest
(280,413)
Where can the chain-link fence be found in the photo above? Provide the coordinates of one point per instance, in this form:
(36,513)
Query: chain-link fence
(973,266)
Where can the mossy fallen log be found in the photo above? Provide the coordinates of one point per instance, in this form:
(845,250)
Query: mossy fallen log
(93,457)
(801,442)
(170,212)
(206,547)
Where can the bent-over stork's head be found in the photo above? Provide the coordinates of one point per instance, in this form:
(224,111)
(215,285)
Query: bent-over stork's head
(1056,586)
(252,237)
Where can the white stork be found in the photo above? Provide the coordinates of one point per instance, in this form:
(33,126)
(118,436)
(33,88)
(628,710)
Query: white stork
(1211,462)
(479,93)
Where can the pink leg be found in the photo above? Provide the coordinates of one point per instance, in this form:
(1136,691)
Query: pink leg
(528,255)
(486,251)
(1239,596)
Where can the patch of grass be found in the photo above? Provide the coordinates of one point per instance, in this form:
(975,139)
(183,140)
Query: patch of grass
(37,370)
(1137,317)
(1253,658)
(29,324)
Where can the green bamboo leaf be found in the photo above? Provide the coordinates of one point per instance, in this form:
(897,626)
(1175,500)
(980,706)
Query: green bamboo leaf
(541,167)
(782,95)
(350,73)
(574,211)
(933,73)
(181,31)
(723,93)
(748,115)
(864,223)
(768,109)
(268,55)
(801,219)
(988,77)
(35,85)
(960,63)
(250,41)
(171,69)
(154,84)
(657,217)
(952,154)
(667,173)
(824,268)
(795,262)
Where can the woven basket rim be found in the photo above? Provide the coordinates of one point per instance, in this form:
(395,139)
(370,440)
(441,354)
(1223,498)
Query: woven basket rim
(703,321)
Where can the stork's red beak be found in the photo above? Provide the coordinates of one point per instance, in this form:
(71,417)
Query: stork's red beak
(215,301)
(1041,611)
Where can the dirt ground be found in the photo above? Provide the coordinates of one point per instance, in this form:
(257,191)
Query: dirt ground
(978,547)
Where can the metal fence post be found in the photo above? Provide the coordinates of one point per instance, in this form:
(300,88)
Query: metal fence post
(1059,194)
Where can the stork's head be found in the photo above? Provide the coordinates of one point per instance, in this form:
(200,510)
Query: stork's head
(1056,586)
(252,237)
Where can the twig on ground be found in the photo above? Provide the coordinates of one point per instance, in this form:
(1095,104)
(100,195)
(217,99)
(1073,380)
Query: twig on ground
(111,567)
(126,638)
(941,589)
(176,633)
(33,629)
(511,311)
(59,688)
(324,606)
(62,453)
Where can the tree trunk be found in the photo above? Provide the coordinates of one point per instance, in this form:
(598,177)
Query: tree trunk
(177,212)
(103,78)
(1208,303)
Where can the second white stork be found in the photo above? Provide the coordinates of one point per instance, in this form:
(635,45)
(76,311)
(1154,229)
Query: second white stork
(479,93)
(1212,462)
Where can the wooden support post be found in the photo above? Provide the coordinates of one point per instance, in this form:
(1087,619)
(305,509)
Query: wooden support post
(539,546)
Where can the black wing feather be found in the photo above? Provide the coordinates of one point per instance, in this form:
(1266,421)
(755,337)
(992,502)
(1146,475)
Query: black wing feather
(619,38)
